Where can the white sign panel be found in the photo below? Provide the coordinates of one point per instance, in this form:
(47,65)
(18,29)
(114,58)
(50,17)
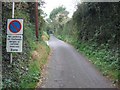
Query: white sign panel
(14,43)
(15,26)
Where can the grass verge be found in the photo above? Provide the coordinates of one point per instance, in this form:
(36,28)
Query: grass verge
(38,60)
(104,59)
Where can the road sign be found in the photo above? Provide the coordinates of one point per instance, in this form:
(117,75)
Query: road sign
(15,26)
(14,43)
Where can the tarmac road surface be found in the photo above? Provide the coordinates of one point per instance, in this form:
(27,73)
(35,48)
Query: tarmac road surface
(69,69)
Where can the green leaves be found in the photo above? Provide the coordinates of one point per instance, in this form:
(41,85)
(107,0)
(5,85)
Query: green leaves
(57,18)
(103,58)
(95,31)
(18,73)
(56,11)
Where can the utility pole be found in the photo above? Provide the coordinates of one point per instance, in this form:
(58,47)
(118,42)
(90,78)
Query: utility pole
(36,19)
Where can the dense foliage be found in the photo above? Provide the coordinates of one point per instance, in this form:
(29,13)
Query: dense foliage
(95,30)
(23,72)
(104,17)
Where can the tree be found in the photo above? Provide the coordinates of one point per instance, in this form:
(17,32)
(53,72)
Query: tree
(56,11)
(58,17)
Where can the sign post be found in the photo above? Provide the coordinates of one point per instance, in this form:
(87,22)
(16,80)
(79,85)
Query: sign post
(13,10)
(14,34)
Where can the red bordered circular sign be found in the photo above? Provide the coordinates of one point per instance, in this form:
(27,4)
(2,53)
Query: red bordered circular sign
(15,26)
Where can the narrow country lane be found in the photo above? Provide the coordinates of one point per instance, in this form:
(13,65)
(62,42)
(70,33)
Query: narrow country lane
(68,69)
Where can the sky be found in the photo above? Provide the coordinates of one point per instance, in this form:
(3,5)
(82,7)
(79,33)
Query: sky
(69,4)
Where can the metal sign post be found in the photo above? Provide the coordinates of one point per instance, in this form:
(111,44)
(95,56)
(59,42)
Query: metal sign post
(14,34)
(13,10)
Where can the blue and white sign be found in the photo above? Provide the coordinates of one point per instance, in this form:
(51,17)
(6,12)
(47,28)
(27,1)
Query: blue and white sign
(15,26)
